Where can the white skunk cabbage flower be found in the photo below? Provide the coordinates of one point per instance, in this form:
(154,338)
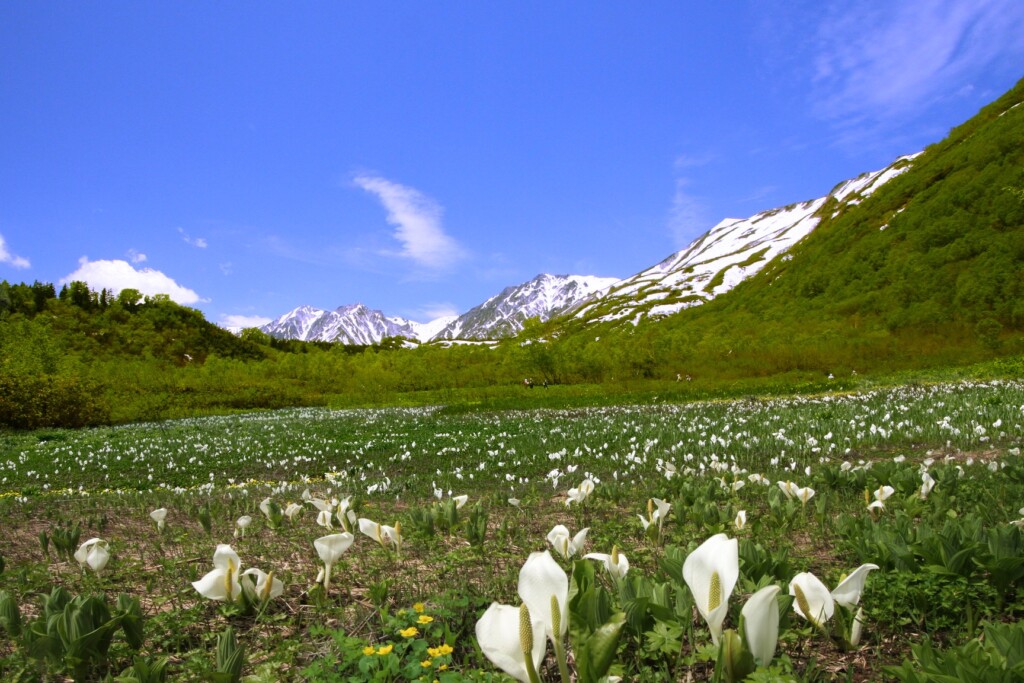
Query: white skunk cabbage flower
(657,511)
(266,586)
(761,624)
(544,588)
(221,583)
(160,517)
(847,593)
(578,495)
(330,549)
(325,518)
(711,572)
(615,564)
(512,639)
(813,601)
(565,544)
(382,533)
(94,554)
(241,524)
(741,520)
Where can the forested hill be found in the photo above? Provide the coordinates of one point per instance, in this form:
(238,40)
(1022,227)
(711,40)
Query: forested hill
(99,325)
(929,268)
(54,345)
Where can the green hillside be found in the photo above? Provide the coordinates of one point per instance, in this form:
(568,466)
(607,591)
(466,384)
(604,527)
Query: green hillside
(928,270)
(926,273)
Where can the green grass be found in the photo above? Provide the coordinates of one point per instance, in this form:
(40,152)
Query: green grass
(392,462)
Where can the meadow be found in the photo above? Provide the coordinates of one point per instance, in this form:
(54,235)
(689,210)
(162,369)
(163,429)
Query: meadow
(878,531)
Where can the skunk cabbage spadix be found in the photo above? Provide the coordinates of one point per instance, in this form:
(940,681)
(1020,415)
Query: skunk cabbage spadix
(221,583)
(711,572)
(813,601)
(500,633)
(761,624)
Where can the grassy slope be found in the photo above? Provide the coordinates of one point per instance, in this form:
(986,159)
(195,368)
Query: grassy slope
(927,271)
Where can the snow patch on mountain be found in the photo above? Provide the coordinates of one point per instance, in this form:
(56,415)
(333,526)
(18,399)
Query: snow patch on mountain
(721,258)
(543,297)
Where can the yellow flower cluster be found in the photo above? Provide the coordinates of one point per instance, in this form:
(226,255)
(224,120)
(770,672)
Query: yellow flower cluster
(370,650)
(440,650)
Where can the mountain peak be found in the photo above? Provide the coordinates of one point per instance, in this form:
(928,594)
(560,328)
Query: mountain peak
(543,297)
(730,252)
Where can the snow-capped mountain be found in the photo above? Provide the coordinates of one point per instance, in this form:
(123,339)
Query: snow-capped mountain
(729,253)
(544,297)
(353,324)
(500,316)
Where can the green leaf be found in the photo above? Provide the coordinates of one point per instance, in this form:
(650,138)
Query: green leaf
(598,652)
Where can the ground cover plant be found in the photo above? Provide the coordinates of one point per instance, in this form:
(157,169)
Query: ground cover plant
(861,536)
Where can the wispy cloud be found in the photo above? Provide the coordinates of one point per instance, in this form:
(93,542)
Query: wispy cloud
(118,275)
(434,310)
(687,216)
(197,242)
(758,194)
(244,321)
(693,160)
(417,221)
(882,62)
(12,259)
(136,257)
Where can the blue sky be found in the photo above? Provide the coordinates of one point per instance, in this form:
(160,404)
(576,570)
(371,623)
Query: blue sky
(419,157)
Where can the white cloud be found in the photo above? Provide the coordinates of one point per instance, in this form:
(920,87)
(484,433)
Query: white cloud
(136,256)
(417,221)
(244,321)
(198,242)
(884,61)
(12,259)
(118,275)
(433,311)
(693,160)
(687,216)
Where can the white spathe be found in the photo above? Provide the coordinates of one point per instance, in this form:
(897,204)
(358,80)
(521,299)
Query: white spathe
(711,572)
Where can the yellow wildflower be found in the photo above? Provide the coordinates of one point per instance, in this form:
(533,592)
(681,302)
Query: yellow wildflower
(443,667)
(385,649)
(419,607)
(425,619)
(426,663)
(408,632)
(369,650)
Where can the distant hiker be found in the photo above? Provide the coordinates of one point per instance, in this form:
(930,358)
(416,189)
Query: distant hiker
(528,383)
